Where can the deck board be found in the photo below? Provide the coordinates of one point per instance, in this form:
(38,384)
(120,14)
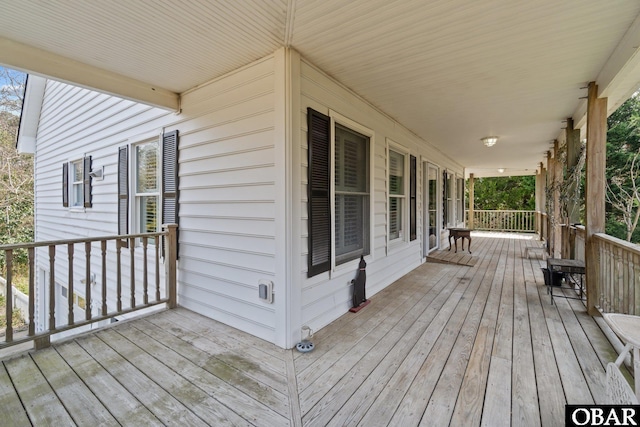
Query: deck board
(444,345)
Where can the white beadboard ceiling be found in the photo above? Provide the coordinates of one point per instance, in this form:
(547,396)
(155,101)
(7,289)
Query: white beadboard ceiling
(452,71)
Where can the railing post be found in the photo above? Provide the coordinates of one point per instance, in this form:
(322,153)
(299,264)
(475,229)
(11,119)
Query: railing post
(170,261)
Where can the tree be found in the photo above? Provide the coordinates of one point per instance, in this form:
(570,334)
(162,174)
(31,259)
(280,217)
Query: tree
(505,193)
(16,170)
(623,180)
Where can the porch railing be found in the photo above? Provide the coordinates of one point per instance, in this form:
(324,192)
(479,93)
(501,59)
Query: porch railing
(618,270)
(619,275)
(505,220)
(129,268)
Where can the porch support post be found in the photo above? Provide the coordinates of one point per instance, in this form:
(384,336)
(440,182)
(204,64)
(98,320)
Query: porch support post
(539,199)
(171,272)
(470,223)
(573,154)
(556,213)
(595,191)
(547,203)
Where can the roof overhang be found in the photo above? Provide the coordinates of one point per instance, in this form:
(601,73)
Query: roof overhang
(31,107)
(450,72)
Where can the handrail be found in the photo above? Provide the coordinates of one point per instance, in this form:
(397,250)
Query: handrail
(112,286)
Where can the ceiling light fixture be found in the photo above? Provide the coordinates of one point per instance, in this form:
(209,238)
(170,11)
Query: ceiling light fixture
(489,141)
(501,170)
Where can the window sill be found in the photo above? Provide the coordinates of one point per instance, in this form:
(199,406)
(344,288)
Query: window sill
(396,244)
(77,209)
(349,266)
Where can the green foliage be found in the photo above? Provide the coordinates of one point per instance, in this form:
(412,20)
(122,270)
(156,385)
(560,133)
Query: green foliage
(505,193)
(16,172)
(623,144)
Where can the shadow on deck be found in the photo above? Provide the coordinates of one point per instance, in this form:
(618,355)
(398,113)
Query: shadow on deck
(444,345)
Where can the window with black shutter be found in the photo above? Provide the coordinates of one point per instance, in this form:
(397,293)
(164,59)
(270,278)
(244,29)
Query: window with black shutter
(65,185)
(86,182)
(170,188)
(123,190)
(170,178)
(319,206)
(412,198)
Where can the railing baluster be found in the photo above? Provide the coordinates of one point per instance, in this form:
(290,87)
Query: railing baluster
(8,258)
(32,292)
(52,287)
(70,287)
(132,253)
(145,273)
(103,248)
(118,275)
(87,281)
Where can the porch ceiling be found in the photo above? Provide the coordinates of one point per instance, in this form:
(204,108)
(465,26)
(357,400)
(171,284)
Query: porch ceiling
(451,71)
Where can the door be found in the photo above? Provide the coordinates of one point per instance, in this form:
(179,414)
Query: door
(432,236)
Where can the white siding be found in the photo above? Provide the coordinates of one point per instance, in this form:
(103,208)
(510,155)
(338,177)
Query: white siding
(328,295)
(227,184)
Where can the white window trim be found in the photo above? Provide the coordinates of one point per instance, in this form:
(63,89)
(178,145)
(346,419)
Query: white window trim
(451,195)
(459,201)
(71,184)
(357,127)
(134,212)
(404,238)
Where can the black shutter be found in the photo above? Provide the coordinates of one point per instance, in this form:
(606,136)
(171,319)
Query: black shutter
(444,199)
(65,185)
(318,188)
(123,190)
(86,181)
(412,198)
(170,192)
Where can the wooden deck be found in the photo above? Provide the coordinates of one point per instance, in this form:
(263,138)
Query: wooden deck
(445,345)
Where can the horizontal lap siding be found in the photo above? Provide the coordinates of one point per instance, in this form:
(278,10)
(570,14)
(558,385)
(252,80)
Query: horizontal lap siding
(327,296)
(75,122)
(227,199)
(227,186)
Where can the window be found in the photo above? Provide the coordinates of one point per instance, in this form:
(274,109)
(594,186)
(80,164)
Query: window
(76,183)
(397,199)
(460,200)
(147,192)
(351,194)
(77,197)
(342,234)
(154,184)
(448,200)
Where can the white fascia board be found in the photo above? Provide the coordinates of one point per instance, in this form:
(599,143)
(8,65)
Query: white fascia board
(619,78)
(31,107)
(37,61)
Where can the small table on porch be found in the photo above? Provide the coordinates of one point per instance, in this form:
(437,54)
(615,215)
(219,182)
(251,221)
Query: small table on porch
(569,266)
(460,233)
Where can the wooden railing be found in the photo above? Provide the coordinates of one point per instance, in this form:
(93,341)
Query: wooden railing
(140,286)
(504,220)
(619,275)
